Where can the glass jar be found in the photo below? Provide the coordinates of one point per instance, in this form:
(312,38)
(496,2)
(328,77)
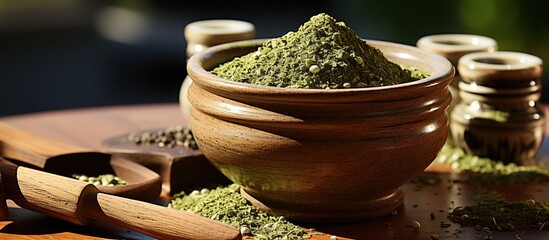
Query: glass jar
(453,47)
(207,33)
(499,116)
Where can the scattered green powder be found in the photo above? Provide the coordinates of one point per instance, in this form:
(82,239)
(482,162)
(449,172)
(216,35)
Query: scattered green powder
(488,171)
(425,179)
(225,204)
(322,54)
(494,212)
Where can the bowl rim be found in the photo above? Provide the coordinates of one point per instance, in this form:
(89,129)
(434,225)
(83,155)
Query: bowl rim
(197,72)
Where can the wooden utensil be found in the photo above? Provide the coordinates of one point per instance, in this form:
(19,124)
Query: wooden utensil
(63,159)
(180,168)
(80,203)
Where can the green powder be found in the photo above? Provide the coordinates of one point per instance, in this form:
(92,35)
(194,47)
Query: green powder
(494,212)
(488,171)
(425,179)
(322,54)
(225,204)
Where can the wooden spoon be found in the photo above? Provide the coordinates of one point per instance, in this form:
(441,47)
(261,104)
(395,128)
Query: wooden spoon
(80,202)
(63,159)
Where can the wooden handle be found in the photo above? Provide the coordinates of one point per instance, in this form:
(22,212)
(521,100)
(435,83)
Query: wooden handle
(46,193)
(31,149)
(157,221)
(78,202)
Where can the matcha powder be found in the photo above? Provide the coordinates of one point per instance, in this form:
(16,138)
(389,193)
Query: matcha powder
(322,54)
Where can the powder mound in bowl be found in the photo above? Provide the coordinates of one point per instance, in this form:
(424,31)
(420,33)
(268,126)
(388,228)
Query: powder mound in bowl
(322,54)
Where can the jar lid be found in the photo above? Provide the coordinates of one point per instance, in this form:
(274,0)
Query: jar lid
(512,64)
(505,71)
(213,32)
(502,60)
(453,46)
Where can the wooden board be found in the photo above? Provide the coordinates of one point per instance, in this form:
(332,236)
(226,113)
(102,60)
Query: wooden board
(88,127)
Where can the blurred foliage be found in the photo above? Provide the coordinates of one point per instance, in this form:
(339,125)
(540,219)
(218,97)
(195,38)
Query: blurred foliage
(23,4)
(64,40)
(517,25)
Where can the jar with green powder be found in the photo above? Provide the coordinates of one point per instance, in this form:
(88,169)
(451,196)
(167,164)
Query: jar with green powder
(453,47)
(499,116)
(201,35)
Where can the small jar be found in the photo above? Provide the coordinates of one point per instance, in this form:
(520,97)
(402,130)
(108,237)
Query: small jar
(453,47)
(207,33)
(203,34)
(499,116)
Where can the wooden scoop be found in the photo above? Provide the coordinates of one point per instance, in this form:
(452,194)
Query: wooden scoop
(180,168)
(80,202)
(63,159)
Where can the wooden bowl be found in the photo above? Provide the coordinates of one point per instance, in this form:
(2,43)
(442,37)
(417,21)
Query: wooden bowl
(316,155)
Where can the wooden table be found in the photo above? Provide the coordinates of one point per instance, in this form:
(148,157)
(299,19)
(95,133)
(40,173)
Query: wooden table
(88,127)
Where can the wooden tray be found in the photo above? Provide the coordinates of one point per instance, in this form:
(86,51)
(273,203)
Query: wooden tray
(88,127)
(190,169)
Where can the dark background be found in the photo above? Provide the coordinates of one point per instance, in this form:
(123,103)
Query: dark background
(61,54)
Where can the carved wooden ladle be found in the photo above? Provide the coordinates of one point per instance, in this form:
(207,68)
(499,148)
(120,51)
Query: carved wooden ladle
(27,149)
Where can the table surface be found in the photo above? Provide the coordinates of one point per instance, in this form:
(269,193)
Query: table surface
(89,127)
